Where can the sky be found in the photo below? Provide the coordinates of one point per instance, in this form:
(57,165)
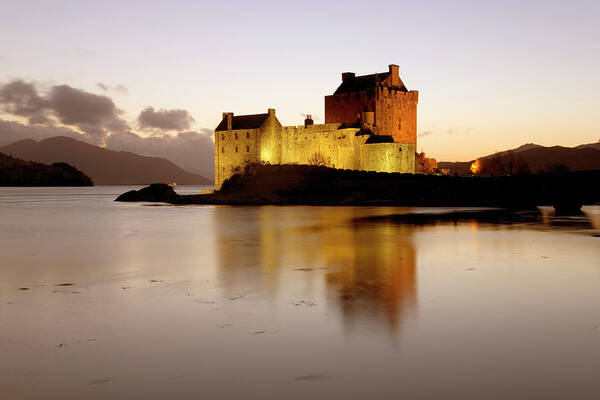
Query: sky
(491,75)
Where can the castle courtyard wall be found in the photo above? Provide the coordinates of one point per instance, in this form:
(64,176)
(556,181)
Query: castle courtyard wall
(323,144)
(344,149)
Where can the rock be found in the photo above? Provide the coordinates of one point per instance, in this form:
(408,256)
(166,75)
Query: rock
(157,192)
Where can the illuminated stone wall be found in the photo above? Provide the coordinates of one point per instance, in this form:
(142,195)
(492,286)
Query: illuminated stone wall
(270,140)
(234,149)
(396,114)
(343,149)
(323,144)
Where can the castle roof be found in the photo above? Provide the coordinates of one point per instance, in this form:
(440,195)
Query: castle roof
(364,82)
(251,121)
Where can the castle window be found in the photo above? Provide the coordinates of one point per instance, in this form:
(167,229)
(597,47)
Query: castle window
(247,135)
(236,135)
(236,149)
(399,123)
(222,136)
(222,149)
(247,149)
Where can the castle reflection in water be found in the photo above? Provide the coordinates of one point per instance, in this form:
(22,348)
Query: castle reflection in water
(363,271)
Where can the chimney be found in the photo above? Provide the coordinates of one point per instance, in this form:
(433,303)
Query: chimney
(229,117)
(394,74)
(308,121)
(347,75)
(271,112)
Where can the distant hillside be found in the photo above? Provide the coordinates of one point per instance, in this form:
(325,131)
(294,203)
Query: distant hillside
(591,145)
(16,172)
(539,158)
(105,167)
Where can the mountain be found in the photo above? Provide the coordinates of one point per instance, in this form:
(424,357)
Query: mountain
(17,172)
(105,167)
(539,158)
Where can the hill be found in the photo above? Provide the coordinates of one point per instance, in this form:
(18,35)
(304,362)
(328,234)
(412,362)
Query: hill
(16,172)
(539,158)
(105,167)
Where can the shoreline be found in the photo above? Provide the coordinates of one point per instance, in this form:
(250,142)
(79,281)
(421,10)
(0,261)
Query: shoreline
(261,184)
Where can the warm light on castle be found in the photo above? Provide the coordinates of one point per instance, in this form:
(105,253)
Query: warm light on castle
(370,124)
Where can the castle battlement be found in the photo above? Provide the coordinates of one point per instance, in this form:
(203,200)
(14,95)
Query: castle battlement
(370,124)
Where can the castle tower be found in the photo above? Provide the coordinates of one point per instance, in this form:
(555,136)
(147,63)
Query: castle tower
(381,100)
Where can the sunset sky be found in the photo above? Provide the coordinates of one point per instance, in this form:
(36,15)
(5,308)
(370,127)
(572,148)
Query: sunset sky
(491,75)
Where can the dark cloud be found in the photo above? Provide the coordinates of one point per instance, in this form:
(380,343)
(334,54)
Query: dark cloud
(191,150)
(108,88)
(94,114)
(165,119)
(75,107)
(22,99)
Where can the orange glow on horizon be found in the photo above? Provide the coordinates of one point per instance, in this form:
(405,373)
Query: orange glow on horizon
(476,167)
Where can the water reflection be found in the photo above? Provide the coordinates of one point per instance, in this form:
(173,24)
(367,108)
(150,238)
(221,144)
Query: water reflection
(367,271)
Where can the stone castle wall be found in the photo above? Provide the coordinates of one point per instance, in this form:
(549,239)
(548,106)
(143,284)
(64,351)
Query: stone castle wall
(343,149)
(395,111)
(234,149)
(270,140)
(346,107)
(396,114)
(323,144)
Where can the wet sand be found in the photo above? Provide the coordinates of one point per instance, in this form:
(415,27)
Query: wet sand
(111,300)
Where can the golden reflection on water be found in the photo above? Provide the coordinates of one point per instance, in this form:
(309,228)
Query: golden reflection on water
(368,270)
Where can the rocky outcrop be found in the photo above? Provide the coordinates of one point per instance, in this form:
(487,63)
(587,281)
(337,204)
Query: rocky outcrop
(157,192)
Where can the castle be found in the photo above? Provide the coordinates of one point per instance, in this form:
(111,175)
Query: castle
(370,124)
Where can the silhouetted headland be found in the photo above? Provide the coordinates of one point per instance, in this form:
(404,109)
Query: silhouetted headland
(17,172)
(259,184)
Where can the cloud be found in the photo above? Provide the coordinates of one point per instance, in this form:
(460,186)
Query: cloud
(165,119)
(426,133)
(94,114)
(191,150)
(22,99)
(66,111)
(108,88)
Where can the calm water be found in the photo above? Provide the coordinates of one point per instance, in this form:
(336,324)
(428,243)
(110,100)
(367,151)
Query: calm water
(290,302)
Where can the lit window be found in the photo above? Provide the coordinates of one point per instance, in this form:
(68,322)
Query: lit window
(247,149)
